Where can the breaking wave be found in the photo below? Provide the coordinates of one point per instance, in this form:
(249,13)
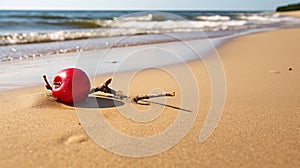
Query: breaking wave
(36,27)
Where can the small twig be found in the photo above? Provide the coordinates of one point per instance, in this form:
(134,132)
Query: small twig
(48,86)
(107,82)
(119,94)
(105,89)
(138,98)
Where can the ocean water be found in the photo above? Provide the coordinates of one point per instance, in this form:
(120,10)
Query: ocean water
(29,34)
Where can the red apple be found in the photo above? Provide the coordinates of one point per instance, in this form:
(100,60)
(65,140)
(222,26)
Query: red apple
(71,85)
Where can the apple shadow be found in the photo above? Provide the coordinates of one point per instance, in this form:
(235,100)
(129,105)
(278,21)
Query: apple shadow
(99,102)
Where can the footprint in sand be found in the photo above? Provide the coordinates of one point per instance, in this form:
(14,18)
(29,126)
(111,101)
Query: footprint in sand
(76,139)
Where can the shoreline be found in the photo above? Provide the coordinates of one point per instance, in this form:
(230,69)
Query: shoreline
(55,62)
(100,62)
(259,126)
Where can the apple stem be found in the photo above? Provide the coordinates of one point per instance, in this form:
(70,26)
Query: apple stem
(48,86)
(138,98)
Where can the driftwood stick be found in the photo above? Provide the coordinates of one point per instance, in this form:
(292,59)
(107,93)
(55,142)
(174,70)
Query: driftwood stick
(107,82)
(138,98)
(47,84)
(105,89)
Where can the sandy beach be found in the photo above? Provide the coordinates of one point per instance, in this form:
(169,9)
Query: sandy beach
(259,126)
(292,13)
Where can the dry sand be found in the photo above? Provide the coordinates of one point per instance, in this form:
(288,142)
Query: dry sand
(292,13)
(260,125)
